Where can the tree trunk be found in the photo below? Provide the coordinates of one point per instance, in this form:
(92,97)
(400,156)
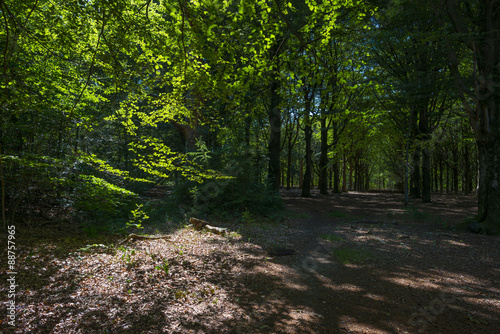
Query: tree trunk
(289,164)
(330,177)
(489,172)
(323,161)
(426,175)
(336,178)
(367,178)
(351,169)
(436,173)
(306,184)
(484,115)
(455,156)
(274,147)
(441,173)
(467,170)
(447,178)
(415,175)
(425,133)
(301,176)
(344,173)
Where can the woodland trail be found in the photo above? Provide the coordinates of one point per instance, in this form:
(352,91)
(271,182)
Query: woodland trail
(362,263)
(402,277)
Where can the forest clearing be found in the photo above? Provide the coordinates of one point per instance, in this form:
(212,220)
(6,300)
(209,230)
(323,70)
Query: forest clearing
(413,271)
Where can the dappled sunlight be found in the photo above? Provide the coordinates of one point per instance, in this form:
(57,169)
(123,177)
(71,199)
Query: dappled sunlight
(413,283)
(348,287)
(401,277)
(458,243)
(352,325)
(375,297)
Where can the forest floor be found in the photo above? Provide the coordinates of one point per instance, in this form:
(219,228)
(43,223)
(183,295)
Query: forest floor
(363,263)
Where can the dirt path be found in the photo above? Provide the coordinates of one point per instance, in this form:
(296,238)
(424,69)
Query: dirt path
(363,263)
(411,277)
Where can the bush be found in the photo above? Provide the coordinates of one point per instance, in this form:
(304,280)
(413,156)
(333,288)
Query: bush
(217,196)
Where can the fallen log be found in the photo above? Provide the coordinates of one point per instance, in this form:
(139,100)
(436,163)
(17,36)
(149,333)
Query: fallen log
(199,224)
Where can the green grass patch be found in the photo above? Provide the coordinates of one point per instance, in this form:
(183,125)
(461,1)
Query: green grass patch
(332,237)
(351,255)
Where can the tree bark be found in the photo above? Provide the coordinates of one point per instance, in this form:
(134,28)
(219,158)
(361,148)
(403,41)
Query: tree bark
(426,175)
(455,156)
(415,175)
(484,115)
(344,173)
(323,161)
(306,184)
(441,173)
(336,178)
(274,147)
(289,165)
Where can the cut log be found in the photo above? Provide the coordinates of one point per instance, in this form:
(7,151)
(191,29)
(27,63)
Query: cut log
(199,224)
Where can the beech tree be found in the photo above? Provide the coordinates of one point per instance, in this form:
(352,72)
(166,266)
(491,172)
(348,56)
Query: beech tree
(476,25)
(410,53)
(121,95)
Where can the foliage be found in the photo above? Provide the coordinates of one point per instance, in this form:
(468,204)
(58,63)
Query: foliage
(137,217)
(94,194)
(106,98)
(164,267)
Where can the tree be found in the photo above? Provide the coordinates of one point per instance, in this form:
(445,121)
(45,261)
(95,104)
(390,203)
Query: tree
(408,49)
(476,25)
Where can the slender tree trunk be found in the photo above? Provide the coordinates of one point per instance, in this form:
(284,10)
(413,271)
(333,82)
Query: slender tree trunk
(330,177)
(426,175)
(441,173)
(455,156)
(274,147)
(248,123)
(306,183)
(351,170)
(301,176)
(367,178)
(323,161)
(336,177)
(447,178)
(344,173)
(425,133)
(289,163)
(308,98)
(436,173)
(467,170)
(415,175)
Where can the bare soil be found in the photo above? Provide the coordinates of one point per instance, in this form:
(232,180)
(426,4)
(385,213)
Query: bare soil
(418,273)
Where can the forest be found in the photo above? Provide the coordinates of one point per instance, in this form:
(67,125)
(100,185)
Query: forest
(129,122)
